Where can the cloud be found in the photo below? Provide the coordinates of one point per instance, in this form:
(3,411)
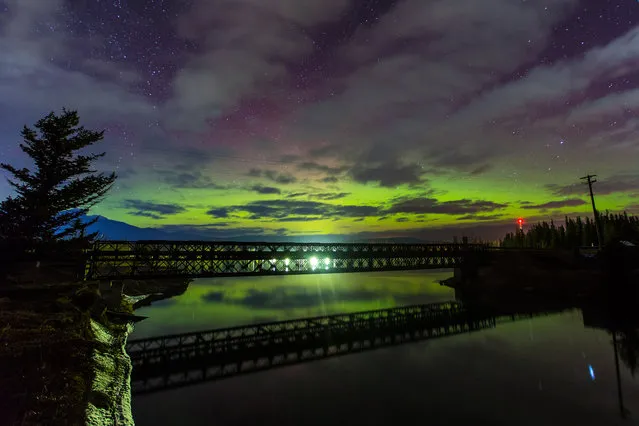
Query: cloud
(281,178)
(446,52)
(295,210)
(190,179)
(604,186)
(329,179)
(151,209)
(481,169)
(245,46)
(218,213)
(32,38)
(433,206)
(545,89)
(317,167)
(330,195)
(573,202)
(481,218)
(261,189)
(615,104)
(388,174)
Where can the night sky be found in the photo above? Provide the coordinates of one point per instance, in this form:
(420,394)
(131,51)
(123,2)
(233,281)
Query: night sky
(315,117)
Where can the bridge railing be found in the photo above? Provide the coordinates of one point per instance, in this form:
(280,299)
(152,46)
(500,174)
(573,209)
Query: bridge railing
(110,259)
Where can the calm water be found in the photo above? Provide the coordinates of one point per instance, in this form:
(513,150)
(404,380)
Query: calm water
(544,371)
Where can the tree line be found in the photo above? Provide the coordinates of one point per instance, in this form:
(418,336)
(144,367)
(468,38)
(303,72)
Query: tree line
(575,232)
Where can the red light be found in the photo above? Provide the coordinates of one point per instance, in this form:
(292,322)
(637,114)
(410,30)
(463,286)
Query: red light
(520,221)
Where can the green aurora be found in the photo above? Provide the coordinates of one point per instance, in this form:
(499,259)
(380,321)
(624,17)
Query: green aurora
(505,201)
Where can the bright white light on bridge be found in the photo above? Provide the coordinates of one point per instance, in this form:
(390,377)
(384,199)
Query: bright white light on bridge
(273,261)
(287,261)
(327,261)
(314,262)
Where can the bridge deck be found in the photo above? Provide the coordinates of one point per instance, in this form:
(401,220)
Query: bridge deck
(179,360)
(152,259)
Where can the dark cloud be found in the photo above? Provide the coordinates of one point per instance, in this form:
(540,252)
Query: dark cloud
(481,169)
(261,189)
(329,179)
(288,159)
(313,166)
(218,213)
(433,206)
(486,218)
(603,186)
(281,178)
(387,174)
(296,194)
(152,210)
(220,231)
(294,210)
(573,202)
(190,180)
(330,195)
(146,214)
(473,163)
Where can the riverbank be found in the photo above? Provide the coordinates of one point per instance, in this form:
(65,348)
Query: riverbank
(54,356)
(62,350)
(548,277)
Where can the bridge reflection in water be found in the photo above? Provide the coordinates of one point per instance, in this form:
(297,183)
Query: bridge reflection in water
(173,361)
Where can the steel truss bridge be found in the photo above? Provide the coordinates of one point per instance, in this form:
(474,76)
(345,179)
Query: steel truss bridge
(189,259)
(173,361)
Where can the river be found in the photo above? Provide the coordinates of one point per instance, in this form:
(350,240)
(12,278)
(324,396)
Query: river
(542,371)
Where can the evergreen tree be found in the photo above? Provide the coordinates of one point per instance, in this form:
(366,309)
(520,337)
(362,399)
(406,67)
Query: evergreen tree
(575,232)
(52,198)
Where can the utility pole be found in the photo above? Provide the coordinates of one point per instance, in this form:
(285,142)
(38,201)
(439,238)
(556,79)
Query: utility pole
(590,179)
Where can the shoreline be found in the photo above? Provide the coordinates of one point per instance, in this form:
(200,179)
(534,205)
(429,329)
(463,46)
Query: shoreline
(52,355)
(63,356)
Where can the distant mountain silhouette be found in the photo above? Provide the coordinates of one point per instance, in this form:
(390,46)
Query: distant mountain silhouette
(114,230)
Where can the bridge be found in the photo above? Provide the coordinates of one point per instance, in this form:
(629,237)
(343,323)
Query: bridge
(191,259)
(174,361)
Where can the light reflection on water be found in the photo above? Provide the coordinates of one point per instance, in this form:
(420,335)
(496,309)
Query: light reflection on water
(225,302)
(542,371)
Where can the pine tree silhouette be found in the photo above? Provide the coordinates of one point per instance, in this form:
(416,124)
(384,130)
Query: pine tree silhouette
(52,198)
